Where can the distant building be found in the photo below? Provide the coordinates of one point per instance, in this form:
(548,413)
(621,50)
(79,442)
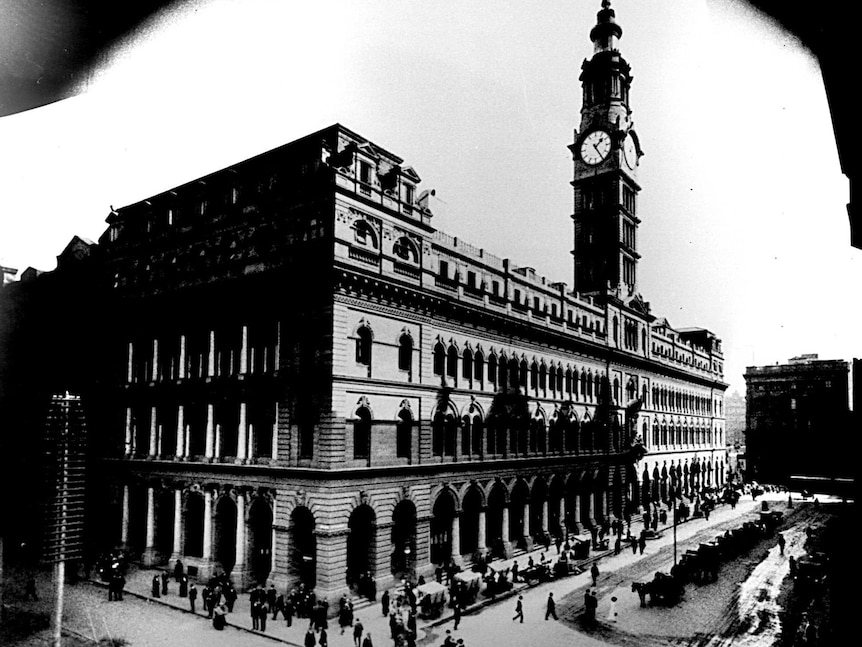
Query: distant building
(797,416)
(734,414)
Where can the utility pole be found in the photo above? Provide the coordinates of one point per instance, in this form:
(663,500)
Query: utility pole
(64,462)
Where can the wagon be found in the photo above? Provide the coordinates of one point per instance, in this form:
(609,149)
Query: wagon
(432,599)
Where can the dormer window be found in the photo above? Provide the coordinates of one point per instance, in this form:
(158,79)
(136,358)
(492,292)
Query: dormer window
(409,194)
(365,172)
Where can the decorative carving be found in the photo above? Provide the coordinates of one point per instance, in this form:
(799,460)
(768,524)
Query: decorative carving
(300,499)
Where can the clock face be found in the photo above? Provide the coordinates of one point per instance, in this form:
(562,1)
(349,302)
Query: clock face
(630,152)
(595,147)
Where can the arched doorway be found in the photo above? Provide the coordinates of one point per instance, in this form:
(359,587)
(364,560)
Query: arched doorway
(224,538)
(193,525)
(586,497)
(137,519)
(538,501)
(260,538)
(403,535)
(470,510)
(573,503)
(441,527)
(164,538)
(518,522)
(361,543)
(494,519)
(302,551)
(556,501)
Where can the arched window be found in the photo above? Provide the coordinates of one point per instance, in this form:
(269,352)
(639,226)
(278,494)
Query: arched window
(467,365)
(655,433)
(364,234)
(404,434)
(503,373)
(405,250)
(522,373)
(438,431)
(597,385)
(405,353)
(664,433)
(452,364)
(616,330)
(513,373)
(570,388)
(589,383)
(534,377)
(363,346)
(616,390)
(362,434)
(439,359)
(543,378)
(645,392)
(492,369)
(479,366)
(560,380)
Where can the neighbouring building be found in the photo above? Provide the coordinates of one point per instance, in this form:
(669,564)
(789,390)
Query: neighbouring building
(302,379)
(797,414)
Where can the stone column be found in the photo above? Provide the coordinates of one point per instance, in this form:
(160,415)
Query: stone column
(129,445)
(208,525)
(504,534)
(483,538)
(562,515)
(243,353)
(276,353)
(576,515)
(526,528)
(242,434)
(545,517)
(178,524)
(181,429)
(591,509)
(149,548)
(605,512)
(124,530)
(181,367)
(155,375)
(209,450)
(154,432)
(130,365)
(240,532)
(211,356)
(456,539)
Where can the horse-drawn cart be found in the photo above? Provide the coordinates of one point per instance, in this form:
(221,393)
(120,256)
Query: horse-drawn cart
(432,599)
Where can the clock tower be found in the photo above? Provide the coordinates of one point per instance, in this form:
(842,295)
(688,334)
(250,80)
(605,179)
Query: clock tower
(606,154)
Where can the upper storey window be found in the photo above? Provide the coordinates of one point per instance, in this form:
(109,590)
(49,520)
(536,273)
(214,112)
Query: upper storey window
(405,250)
(364,234)
(365,172)
(409,194)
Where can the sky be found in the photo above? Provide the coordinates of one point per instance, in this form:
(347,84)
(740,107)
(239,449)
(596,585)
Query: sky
(744,227)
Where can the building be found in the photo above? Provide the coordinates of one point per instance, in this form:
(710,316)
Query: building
(301,378)
(796,415)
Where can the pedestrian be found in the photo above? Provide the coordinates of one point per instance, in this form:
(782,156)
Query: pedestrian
(792,562)
(357,632)
(558,542)
(515,572)
(289,610)
(165,578)
(634,545)
(551,610)
(367,642)
(310,640)
(193,596)
(781,542)
(594,571)
(323,639)
(184,586)
(230,596)
(271,596)
(30,589)
(263,612)
(519,609)
(384,603)
(618,545)
(179,571)
(219,620)
(278,606)
(254,611)
(456,614)
(789,500)
(594,604)
(612,611)
(156,586)
(642,543)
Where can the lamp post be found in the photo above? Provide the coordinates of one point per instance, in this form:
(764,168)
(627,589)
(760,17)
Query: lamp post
(673,494)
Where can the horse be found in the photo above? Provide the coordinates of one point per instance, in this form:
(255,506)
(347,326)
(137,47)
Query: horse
(641,588)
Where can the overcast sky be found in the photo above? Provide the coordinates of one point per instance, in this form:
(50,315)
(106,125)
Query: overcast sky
(744,226)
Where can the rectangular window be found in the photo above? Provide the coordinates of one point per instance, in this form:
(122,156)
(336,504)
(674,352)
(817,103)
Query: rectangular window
(517,298)
(409,194)
(365,172)
(471,279)
(443,269)
(495,288)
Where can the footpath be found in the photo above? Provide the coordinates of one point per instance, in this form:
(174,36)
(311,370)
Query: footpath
(139,584)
